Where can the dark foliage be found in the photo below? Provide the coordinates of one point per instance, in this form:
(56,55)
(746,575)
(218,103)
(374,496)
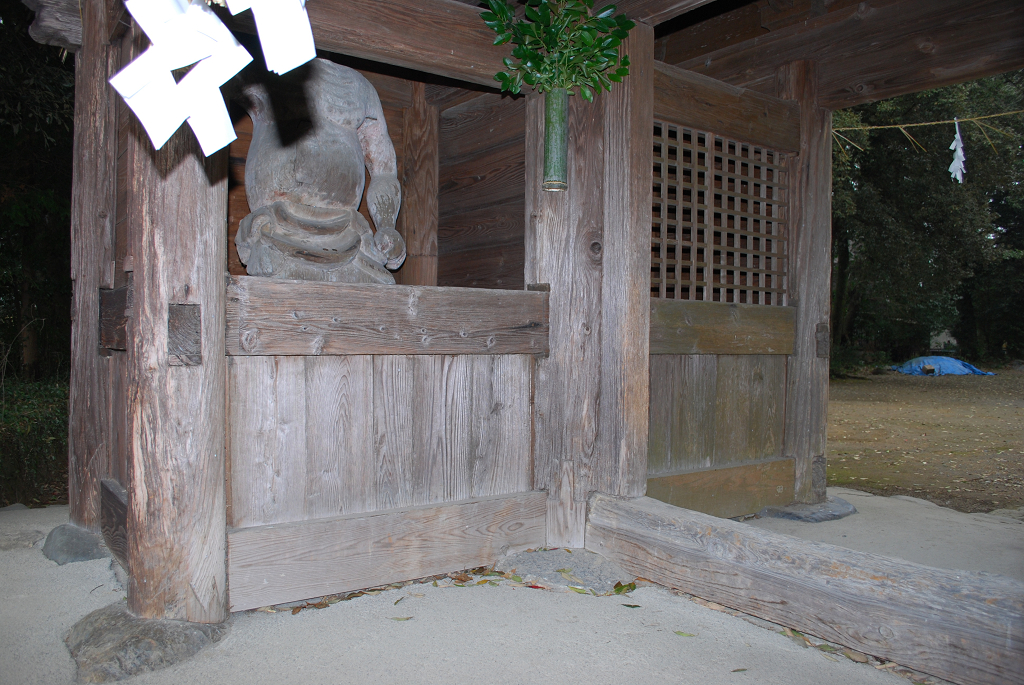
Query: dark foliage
(914,252)
(36,133)
(33,443)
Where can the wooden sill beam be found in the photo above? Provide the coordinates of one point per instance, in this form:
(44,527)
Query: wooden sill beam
(680,327)
(273,317)
(292,561)
(964,626)
(876,50)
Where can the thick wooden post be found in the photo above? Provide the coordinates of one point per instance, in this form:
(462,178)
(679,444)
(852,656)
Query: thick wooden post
(810,260)
(176,519)
(92,227)
(590,245)
(418,216)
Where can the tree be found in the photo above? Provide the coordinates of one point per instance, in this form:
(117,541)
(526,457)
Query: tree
(911,247)
(36,135)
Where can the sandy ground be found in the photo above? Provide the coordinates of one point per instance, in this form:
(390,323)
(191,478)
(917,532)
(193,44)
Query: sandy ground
(957,441)
(473,634)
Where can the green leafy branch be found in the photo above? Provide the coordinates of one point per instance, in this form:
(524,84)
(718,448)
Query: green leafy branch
(560,44)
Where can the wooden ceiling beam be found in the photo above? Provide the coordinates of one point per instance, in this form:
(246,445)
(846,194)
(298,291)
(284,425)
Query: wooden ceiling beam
(442,37)
(654,12)
(880,49)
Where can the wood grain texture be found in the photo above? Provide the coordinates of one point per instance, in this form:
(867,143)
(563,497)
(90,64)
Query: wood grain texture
(710,411)
(490,177)
(879,49)
(417,222)
(730,491)
(114,519)
(326,436)
(285,562)
(679,327)
(92,227)
(625,286)
(176,523)
(442,37)
(269,316)
(487,121)
(654,12)
(694,100)
(483,228)
(498,267)
(114,318)
(57,22)
(810,274)
(963,626)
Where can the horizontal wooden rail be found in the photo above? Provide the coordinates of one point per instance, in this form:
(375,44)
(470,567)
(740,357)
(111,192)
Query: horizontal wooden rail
(963,626)
(682,327)
(729,491)
(267,316)
(292,561)
(696,101)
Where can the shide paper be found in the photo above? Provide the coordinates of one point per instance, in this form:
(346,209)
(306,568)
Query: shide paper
(182,34)
(957,168)
(285,34)
(186,33)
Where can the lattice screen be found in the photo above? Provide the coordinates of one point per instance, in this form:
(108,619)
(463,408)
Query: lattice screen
(719,219)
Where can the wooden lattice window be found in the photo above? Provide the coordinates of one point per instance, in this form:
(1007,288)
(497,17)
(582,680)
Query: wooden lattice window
(719,219)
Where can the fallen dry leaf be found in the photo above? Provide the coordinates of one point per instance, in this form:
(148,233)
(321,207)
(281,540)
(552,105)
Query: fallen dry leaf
(401,618)
(855,656)
(682,634)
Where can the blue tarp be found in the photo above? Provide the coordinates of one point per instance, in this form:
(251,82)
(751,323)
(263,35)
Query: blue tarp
(942,366)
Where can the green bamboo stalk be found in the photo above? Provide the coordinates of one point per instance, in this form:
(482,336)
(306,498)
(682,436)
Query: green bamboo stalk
(556,139)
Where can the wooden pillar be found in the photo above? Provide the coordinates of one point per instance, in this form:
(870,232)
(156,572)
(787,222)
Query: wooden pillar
(590,244)
(92,227)
(810,261)
(418,216)
(176,519)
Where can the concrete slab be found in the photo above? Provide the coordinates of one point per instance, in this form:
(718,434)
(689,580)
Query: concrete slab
(918,531)
(503,634)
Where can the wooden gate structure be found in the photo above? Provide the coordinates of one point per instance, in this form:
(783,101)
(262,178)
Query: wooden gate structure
(546,360)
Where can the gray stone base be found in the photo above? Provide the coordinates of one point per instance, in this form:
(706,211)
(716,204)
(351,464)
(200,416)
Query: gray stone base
(831,509)
(582,569)
(68,543)
(112,644)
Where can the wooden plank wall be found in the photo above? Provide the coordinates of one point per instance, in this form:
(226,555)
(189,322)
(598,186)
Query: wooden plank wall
(481,206)
(710,411)
(313,437)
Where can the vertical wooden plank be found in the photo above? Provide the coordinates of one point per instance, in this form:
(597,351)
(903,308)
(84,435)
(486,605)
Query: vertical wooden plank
(694,438)
(809,280)
(561,229)
(625,289)
(92,218)
(393,434)
(117,416)
(501,459)
(734,390)
(590,245)
(340,475)
(177,517)
(450,467)
(665,403)
(418,216)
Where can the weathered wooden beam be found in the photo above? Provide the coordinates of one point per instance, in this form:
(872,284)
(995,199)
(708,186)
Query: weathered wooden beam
(289,561)
(92,230)
(114,318)
(114,519)
(877,49)
(442,37)
(729,491)
(417,220)
(272,317)
(591,244)
(654,12)
(810,274)
(964,626)
(680,327)
(177,517)
(694,100)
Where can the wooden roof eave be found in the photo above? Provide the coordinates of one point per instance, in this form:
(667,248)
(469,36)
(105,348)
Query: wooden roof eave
(879,49)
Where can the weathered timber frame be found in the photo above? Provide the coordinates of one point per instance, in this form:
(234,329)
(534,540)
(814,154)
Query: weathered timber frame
(227,430)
